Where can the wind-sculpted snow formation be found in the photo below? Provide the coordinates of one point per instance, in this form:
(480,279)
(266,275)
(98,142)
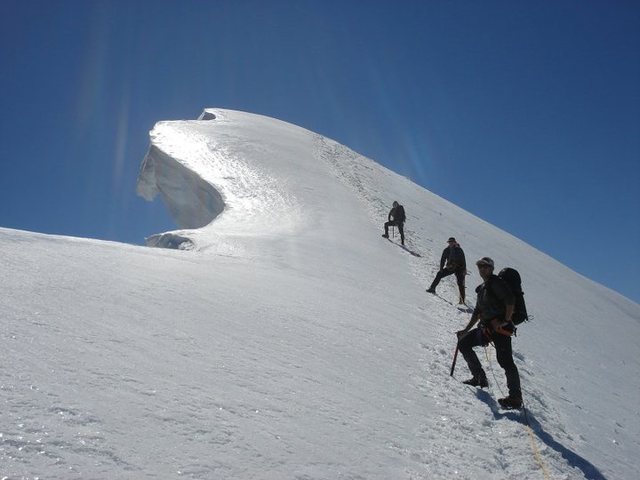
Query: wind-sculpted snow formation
(279,336)
(210,170)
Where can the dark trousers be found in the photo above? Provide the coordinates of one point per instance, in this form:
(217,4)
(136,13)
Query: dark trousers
(394,223)
(445,272)
(477,338)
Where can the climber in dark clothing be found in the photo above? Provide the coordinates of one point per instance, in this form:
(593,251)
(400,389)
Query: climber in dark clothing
(451,262)
(396,218)
(494,310)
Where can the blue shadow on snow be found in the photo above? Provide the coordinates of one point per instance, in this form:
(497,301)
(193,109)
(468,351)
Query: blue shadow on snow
(588,469)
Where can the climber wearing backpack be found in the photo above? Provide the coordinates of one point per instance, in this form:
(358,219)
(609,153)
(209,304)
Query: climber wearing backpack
(452,261)
(396,218)
(494,310)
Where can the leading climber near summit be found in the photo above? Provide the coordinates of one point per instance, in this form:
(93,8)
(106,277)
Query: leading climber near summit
(494,310)
(396,218)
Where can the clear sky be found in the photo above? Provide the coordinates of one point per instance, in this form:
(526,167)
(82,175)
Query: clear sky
(526,114)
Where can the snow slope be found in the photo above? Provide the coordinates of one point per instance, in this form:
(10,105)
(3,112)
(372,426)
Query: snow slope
(279,336)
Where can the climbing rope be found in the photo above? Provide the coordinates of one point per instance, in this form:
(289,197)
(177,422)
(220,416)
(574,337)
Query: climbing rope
(536,453)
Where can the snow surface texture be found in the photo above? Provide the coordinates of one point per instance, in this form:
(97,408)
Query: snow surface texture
(285,339)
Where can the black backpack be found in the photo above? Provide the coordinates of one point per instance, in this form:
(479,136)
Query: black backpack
(511,277)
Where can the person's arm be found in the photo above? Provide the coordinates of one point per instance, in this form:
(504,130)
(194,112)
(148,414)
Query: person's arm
(509,312)
(498,325)
(472,321)
(503,294)
(443,259)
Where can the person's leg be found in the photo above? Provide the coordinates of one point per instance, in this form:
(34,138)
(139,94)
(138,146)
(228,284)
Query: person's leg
(474,338)
(436,281)
(386,228)
(504,354)
(401,230)
(439,276)
(460,274)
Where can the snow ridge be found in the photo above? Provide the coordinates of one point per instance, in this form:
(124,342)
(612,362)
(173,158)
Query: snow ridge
(287,339)
(241,144)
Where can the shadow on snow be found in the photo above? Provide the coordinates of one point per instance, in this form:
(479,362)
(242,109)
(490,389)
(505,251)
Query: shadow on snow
(405,248)
(588,469)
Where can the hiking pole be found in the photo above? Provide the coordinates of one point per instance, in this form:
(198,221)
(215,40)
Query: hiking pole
(455,357)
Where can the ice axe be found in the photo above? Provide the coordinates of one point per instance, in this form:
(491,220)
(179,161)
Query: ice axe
(455,357)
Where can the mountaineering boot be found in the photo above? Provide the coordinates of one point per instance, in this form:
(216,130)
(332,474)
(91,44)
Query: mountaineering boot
(477,381)
(385,235)
(510,402)
(431,290)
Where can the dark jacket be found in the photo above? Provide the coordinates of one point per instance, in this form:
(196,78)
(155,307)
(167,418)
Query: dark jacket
(493,297)
(453,258)
(397,214)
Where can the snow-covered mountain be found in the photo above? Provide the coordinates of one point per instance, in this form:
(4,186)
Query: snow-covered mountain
(280,337)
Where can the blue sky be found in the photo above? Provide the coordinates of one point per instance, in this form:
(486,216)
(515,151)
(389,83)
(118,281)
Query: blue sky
(526,114)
